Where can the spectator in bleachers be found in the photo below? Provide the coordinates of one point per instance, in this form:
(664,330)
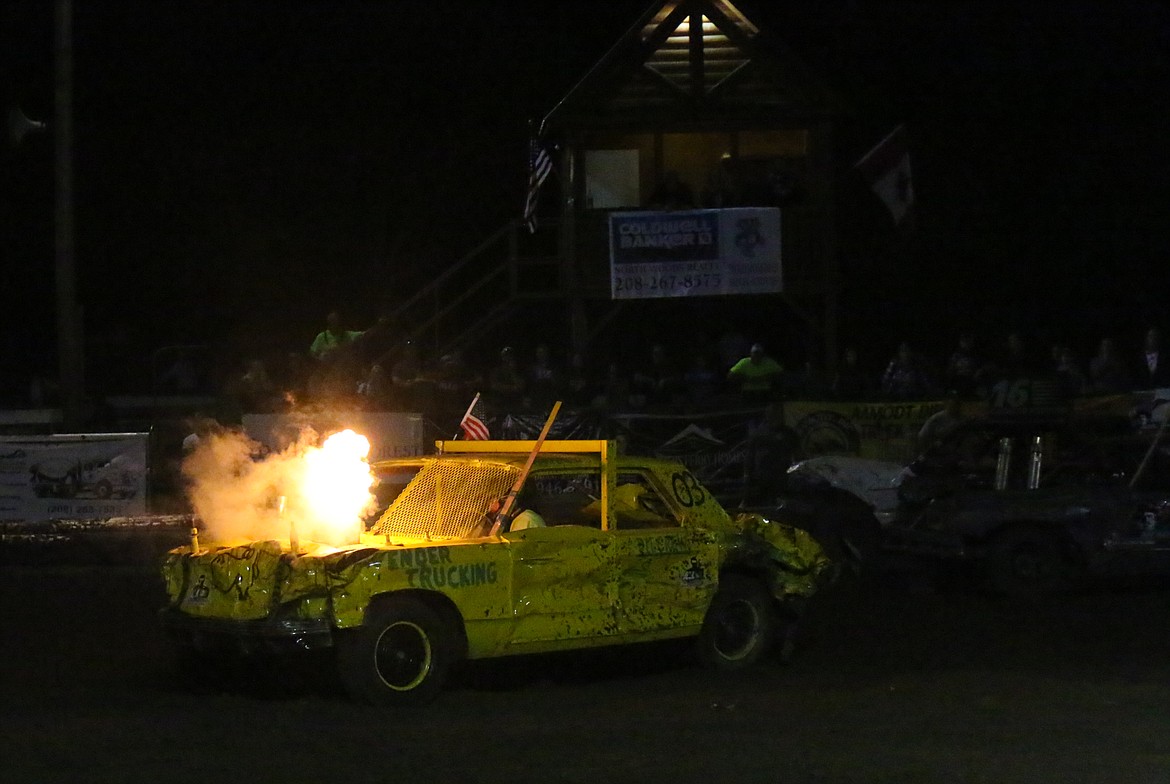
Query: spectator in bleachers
(181,377)
(254,391)
(292,375)
(1012,363)
(719,191)
(338,363)
(672,193)
(1069,374)
(657,383)
(770,449)
(1018,362)
(616,390)
(378,343)
(376,390)
(455,384)
(505,382)
(1107,372)
(579,388)
(906,377)
(1152,369)
(757,376)
(961,372)
(809,383)
(406,376)
(332,338)
(733,345)
(850,381)
(701,383)
(543,380)
(199,428)
(940,424)
(1054,354)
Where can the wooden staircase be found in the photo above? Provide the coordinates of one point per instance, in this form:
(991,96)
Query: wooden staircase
(485,291)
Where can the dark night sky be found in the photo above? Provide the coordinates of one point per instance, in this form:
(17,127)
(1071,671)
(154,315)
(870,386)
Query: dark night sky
(242,167)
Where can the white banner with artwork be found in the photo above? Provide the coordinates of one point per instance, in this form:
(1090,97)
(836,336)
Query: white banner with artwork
(77,477)
(390,434)
(692,253)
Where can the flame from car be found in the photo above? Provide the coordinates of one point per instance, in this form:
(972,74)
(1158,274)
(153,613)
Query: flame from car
(323,492)
(336,486)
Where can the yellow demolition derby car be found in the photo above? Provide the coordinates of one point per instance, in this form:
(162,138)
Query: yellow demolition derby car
(492,549)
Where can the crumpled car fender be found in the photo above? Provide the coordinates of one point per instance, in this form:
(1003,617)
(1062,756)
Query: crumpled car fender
(795,563)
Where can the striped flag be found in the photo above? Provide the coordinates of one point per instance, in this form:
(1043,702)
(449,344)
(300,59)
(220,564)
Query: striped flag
(473,425)
(539,166)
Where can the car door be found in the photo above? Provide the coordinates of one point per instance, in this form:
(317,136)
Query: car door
(1139,524)
(666,572)
(562,581)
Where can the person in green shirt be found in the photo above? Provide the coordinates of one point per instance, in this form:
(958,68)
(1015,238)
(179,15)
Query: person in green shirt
(332,337)
(757,374)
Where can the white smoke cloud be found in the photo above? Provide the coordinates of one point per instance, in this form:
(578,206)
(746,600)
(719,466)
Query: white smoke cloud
(236,489)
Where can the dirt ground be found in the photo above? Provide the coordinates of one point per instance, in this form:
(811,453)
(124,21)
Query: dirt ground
(893,683)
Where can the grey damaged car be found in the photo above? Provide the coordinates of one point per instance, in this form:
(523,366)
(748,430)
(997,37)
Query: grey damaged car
(1100,510)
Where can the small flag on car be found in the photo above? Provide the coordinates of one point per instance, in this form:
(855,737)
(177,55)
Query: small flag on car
(473,425)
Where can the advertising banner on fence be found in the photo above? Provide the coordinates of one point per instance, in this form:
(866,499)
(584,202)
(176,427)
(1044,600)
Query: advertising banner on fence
(889,430)
(738,452)
(83,477)
(391,434)
(694,253)
(877,430)
(715,445)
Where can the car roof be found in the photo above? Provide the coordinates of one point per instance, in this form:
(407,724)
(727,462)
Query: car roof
(555,455)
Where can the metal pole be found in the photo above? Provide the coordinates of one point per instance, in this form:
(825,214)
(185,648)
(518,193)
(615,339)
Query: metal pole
(1036,463)
(1003,463)
(69,343)
(505,513)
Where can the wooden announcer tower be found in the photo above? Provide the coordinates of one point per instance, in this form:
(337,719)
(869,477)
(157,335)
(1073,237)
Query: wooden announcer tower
(695,91)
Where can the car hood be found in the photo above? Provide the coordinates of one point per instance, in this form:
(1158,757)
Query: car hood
(875,482)
(247,580)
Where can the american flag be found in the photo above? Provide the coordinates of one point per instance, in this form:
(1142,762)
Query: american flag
(473,426)
(539,166)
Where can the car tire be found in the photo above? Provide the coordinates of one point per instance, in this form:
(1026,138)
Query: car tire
(399,656)
(1024,562)
(739,626)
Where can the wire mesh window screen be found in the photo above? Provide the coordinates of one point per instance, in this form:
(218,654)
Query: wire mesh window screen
(447,499)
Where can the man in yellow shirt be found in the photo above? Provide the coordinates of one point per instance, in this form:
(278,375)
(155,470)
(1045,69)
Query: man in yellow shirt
(757,374)
(332,337)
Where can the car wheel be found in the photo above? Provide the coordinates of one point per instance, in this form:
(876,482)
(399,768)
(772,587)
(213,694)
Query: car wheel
(400,656)
(103,490)
(1024,562)
(739,626)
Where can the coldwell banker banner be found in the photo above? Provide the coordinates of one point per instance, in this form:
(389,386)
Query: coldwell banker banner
(84,477)
(694,253)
